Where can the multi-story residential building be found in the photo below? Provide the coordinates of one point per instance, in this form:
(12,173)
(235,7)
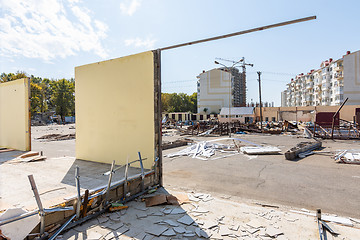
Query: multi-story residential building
(327,86)
(219,88)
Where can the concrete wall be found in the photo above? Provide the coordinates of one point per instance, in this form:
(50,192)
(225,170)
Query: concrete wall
(14,115)
(213,92)
(305,113)
(352,77)
(121,90)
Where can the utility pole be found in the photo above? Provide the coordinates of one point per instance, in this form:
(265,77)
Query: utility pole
(261,118)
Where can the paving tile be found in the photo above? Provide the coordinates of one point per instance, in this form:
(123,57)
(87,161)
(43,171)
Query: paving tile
(187,220)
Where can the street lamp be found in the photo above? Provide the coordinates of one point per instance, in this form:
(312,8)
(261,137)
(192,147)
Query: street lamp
(230,83)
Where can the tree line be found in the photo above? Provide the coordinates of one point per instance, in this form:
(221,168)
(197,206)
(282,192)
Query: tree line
(48,94)
(179,102)
(59,95)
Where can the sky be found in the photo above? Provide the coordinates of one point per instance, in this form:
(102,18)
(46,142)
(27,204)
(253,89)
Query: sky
(49,38)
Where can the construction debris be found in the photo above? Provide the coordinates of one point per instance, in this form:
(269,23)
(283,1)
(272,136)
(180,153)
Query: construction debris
(166,199)
(348,156)
(57,137)
(22,227)
(260,150)
(302,147)
(174,144)
(29,157)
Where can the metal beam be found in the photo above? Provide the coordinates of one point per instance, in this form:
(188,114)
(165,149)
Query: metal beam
(241,32)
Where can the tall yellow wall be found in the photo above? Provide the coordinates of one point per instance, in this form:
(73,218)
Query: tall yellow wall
(115,110)
(14,115)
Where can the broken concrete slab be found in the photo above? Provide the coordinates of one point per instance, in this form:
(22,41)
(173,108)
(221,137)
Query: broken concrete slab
(93,235)
(141,215)
(201,233)
(177,211)
(255,223)
(156,230)
(273,232)
(115,217)
(200,210)
(252,230)
(179,229)
(115,226)
(117,233)
(103,219)
(171,223)
(155,200)
(224,231)
(187,220)
(208,224)
(191,234)
(169,233)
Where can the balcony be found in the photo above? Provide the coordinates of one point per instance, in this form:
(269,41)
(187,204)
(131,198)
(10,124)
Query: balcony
(339,91)
(338,68)
(339,75)
(309,85)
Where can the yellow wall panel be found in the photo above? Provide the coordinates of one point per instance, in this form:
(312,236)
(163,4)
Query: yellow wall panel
(14,115)
(114,104)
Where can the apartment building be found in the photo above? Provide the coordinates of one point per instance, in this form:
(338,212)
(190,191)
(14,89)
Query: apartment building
(219,88)
(327,86)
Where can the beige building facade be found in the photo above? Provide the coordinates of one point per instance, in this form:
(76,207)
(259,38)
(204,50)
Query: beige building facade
(219,88)
(329,85)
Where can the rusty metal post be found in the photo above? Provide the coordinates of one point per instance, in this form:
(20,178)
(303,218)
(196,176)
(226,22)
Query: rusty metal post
(333,121)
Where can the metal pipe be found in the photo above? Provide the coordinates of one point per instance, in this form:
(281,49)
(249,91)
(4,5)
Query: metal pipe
(62,228)
(333,120)
(109,182)
(126,177)
(241,32)
(77,182)
(22,216)
(38,201)
(261,117)
(142,172)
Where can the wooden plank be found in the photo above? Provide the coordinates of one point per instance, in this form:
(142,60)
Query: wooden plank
(7,150)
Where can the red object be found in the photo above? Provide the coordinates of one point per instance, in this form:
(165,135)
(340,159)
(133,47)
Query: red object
(325,119)
(348,52)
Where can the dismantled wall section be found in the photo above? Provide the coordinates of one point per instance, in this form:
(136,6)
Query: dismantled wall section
(305,113)
(116,110)
(14,115)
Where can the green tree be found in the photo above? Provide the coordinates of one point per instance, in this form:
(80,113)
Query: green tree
(179,102)
(63,97)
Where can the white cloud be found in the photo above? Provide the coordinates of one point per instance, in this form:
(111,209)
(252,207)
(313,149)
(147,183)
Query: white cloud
(138,42)
(48,29)
(129,7)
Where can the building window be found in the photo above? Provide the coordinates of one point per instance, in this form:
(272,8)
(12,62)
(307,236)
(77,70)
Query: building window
(273,119)
(266,119)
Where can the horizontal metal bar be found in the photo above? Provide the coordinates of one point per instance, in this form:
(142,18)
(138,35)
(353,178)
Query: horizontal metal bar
(240,33)
(108,172)
(22,216)
(113,186)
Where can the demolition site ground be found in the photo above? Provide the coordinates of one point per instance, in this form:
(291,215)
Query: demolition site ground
(315,181)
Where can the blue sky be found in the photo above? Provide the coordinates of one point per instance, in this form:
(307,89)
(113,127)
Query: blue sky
(48,38)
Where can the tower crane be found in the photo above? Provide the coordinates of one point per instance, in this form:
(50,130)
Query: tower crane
(242,62)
